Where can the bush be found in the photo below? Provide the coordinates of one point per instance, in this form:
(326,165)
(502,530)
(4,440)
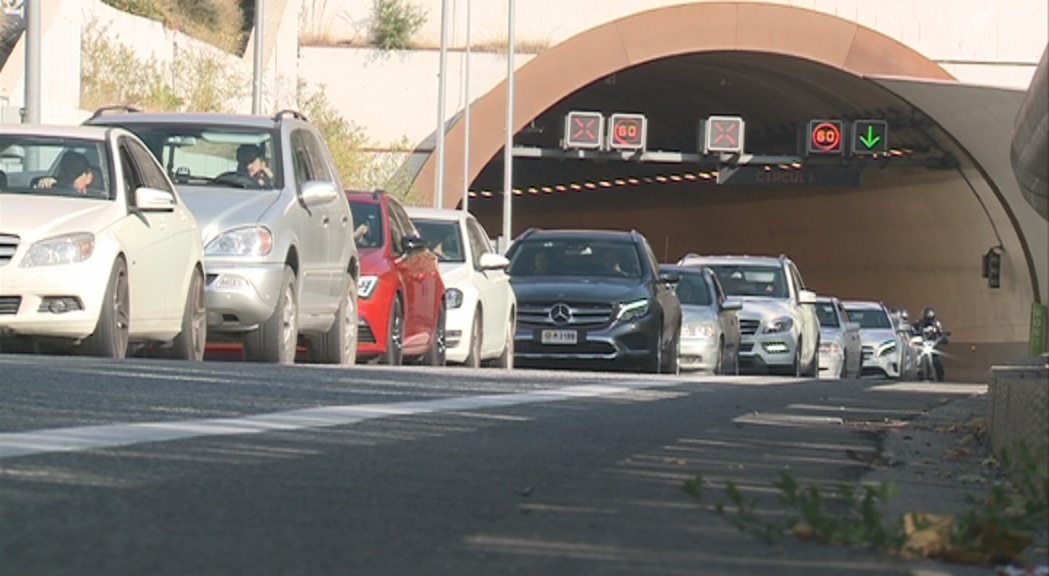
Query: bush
(394,23)
(217,22)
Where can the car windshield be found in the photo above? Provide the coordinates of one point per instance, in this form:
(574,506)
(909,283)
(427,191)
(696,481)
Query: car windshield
(828,315)
(575,257)
(367,217)
(228,157)
(751,280)
(444,238)
(870,318)
(54,166)
(692,290)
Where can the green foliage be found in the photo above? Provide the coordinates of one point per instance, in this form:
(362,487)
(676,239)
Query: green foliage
(345,139)
(394,23)
(218,22)
(111,73)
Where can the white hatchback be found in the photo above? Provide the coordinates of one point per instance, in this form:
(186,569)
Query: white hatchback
(97,250)
(480,301)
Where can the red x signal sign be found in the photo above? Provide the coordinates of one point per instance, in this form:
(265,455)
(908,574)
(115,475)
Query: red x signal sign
(723,134)
(584,129)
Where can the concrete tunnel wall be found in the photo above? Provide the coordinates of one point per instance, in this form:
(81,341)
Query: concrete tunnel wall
(908,240)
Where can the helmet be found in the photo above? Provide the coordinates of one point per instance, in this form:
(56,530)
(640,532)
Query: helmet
(929,314)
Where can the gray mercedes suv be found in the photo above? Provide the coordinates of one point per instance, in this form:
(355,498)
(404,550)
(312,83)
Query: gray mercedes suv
(279,255)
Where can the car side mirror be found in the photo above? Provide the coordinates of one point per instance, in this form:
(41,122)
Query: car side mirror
(318,192)
(154,200)
(414,243)
(852,326)
(493,261)
(806,297)
(669,277)
(730,304)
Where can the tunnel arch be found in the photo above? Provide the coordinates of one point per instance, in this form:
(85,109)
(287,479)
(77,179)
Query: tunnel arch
(683,29)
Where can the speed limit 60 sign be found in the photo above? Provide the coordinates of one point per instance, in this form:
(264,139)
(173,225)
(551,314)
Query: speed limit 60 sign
(627,132)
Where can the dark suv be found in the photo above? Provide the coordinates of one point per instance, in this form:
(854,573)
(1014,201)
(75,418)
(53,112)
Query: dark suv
(594,297)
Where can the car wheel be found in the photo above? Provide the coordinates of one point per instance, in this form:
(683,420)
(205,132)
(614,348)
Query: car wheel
(814,364)
(655,364)
(110,338)
(796,369)
(339,344)
(719,366)
(473,360)
(190,343)
(276,339)
(674,359)
(506,359)
(438,351)
(393,355)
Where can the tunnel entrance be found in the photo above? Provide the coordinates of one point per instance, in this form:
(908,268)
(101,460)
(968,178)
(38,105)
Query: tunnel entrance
(907,227)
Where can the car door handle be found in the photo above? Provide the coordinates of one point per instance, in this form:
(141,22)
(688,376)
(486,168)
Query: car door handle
(325,220)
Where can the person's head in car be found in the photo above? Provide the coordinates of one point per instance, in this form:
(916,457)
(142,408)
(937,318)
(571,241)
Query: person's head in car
(74,171)
(251,164)
(541,262)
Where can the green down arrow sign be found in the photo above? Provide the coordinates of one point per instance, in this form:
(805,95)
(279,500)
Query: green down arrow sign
(870,137)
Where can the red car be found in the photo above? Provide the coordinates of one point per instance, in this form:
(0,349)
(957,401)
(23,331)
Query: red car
(400,293)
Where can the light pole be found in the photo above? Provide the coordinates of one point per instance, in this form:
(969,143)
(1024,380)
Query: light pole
(256,96)
(31,107)
(508,152)
(466,116)
(442,82)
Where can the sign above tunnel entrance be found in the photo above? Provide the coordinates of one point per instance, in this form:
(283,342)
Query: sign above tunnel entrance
(870,137)
(627,132)
(767,176)
(723,134)
(824,137)
(584,130)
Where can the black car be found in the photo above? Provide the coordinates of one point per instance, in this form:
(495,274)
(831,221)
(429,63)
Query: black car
(593,297)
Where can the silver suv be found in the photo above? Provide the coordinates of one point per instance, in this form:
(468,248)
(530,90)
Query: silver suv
(778,323)
(280,261)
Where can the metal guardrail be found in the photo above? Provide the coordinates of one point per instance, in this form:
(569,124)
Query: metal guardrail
(1018,407)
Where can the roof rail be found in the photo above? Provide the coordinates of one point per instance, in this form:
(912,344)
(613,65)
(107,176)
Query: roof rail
(113,108)
(377,193)
(289,112)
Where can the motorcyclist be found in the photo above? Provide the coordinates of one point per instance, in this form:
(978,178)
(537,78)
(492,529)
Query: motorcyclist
(936,331)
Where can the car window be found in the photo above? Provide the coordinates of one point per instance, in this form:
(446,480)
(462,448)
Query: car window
(827,314)
(209,155)
(692,289)
(54,166)
(367,219)
(315,157)
(843,313)
(132,179)
(444,239)
(752,280)
(146,166)
(575,257)
(479,243)
(397,230)
(719,294)
(869,318)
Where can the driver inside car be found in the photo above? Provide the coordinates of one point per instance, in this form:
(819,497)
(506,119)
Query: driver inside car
(251,164)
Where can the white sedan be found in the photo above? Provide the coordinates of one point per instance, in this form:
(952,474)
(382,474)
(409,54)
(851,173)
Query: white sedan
(97,251)
(480,301)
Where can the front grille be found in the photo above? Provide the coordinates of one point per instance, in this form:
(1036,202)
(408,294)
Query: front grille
(580,315)
(748,327)
(364,333)
(9,305)
(868,352)
(8,245)
(746,348)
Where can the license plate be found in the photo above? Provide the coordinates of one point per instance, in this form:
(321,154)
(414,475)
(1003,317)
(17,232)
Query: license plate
(559,337)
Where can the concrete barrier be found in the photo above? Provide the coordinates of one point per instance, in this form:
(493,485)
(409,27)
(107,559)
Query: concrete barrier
(1018,407)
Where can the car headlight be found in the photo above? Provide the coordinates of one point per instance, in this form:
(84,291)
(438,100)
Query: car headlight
(366,286)
(779,325)
(248,241)
(631,310)
(453,298)
(698,330)
(830,348)
(67,249)
(886,348)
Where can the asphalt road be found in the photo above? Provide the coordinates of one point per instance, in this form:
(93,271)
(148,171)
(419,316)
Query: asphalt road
(154,467)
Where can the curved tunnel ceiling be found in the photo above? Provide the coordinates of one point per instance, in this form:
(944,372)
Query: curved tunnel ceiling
(912,235)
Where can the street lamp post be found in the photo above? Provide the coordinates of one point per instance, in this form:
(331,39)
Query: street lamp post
(31,107)
(466,115)
(508,152)
(442,82)
(256,95)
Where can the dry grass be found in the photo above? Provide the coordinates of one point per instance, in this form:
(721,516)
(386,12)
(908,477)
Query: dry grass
(523,46)
(217,22)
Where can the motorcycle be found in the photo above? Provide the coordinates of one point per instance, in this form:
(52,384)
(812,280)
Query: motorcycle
(928,353)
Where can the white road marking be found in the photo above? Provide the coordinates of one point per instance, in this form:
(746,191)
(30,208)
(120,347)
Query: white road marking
(83,438)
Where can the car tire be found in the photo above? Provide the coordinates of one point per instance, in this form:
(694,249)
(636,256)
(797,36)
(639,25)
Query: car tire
(814,364)
(673,360)
(394,353)
(473,359)
(192,340)
(655,364)
(110,338)
(719,366)
(339,344)
(796,368)
(437,354)
(276,339)
(506,359)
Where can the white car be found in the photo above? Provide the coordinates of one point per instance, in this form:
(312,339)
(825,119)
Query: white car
(841,354)
(481,306)
(886,351)
(97,250)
